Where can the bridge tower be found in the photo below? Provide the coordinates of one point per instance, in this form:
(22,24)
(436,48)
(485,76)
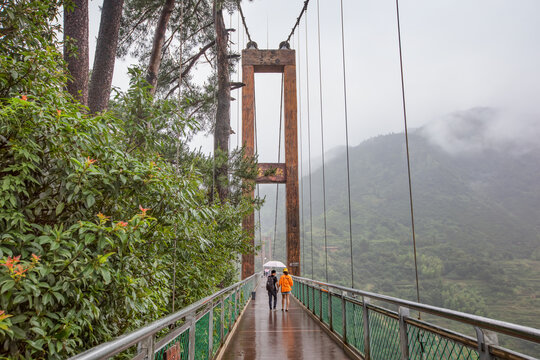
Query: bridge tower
(273,61)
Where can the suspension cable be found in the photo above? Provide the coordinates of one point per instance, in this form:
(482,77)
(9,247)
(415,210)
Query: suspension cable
(238,80)
(309,150)
(180,48)
(260,224)
(244,20)
(407,148)
(256,145)
(229,48)
(297,23)
(347,142)
(278,160)
(322,141)
(303,229)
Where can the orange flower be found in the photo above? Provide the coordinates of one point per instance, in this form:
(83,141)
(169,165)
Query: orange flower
(11,261)
(20,271)
(122,224)
(3,315)
(102,217)
(143,210)
(35,258)
(90,161)
(59,112)
(24,98)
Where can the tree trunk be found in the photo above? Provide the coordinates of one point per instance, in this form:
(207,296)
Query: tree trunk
(223,127)
(157,45)
(76,28)
(102,73)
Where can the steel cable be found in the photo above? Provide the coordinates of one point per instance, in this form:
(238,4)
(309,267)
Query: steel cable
(302,232)
(297,23)
(407,149)
(322,140)
(278,159)
(309,151)
(180,48)
(244,20)
(347,142)
(238,80)
(256,145)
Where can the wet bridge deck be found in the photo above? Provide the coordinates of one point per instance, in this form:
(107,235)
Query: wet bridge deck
(265,334)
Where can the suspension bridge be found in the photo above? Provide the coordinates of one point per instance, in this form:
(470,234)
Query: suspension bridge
(325,320)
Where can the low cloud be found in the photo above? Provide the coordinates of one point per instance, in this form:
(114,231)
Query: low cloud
(484,128)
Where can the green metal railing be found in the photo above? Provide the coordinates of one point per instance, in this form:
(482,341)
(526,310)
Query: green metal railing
(376,333)
(194,333)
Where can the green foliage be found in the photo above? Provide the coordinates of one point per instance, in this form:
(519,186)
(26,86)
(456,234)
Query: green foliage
(464,298)
(98,212)
(29,61)
(195,29)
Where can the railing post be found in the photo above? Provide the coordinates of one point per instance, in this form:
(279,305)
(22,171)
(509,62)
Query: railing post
(313,298)
(344,315)
(483,344)
(192,323)
(330,317)
(365,316)
(210,331)
(320,302)
(306,297)
(146,347)
(222,327)
(403,337)
(235,302)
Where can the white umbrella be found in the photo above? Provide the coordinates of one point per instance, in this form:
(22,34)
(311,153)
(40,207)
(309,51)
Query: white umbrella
(275,264)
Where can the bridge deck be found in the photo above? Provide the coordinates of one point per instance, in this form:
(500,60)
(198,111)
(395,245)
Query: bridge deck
(265,334)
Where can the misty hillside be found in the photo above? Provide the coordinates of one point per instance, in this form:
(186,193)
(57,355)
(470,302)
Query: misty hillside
(477,214)
(486,202)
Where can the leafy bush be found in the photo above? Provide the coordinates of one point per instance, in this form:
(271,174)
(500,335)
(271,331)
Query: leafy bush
(97,212)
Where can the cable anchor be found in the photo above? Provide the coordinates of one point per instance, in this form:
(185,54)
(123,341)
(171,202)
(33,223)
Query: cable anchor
(284,45)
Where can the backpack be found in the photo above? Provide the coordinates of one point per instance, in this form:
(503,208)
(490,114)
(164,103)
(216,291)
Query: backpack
(270,283)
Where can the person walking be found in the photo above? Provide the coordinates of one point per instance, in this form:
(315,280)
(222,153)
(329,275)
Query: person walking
(271,288)
(286,284)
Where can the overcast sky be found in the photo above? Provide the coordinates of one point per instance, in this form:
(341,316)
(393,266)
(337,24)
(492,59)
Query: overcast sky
(458,54)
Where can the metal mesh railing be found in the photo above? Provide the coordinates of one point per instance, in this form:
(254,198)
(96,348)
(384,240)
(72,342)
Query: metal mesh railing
(381,334)
(195,332)
(201,337)
(316,301)
(337,313)
(384,336)
(325,316)
(227,315)
(181,340)
(355,328)
(424,344)
(216,336)
(309,302)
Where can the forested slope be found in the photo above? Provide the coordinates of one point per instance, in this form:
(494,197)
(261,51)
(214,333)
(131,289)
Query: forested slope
(477,216)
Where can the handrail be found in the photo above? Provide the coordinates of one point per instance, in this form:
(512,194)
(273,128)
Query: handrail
(503,327)
(124,342)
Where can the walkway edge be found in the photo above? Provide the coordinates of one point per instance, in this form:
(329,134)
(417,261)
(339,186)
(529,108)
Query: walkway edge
(353,353)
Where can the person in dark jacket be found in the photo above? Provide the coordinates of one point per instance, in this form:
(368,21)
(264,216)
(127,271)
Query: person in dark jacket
(272,289)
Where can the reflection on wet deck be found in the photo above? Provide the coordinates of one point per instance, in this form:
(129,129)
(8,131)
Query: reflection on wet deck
(265,334)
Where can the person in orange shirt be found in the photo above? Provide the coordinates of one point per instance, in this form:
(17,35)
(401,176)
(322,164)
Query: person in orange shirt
(286,284)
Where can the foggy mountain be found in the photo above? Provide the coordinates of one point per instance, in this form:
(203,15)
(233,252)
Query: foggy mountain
(477,213)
